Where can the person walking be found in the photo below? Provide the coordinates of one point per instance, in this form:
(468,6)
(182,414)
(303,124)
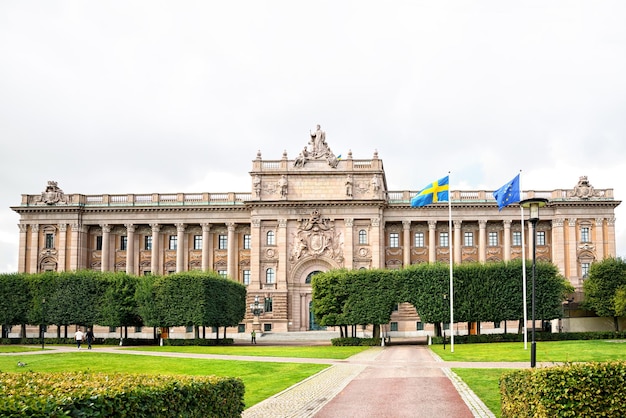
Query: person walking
(90,337)
(253,335)
(79,336)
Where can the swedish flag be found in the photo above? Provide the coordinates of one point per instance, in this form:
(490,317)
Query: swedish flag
(436,191)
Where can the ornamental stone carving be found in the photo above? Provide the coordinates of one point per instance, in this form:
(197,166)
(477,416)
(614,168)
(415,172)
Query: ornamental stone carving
(317,149)
(583,190)
(315,237)
(53,195)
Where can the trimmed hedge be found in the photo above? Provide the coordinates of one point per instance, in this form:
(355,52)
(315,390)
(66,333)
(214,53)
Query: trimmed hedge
(66,341)
(97,394)
(539,336)
(577,390)
(198,341)
(352,341)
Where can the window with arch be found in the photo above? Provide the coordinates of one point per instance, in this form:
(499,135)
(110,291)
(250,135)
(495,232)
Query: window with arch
(271,238)
(270,276)
(310,276)
(362,237)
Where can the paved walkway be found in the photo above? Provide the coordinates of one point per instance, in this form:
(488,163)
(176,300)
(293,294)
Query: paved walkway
(394,381)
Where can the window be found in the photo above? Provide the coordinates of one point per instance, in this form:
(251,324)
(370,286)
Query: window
(49,240)
(584,234)
(393,326)
(468,239)
(419,326)
(246,277)
(197,242)
(147,272)
(137,329)
(269,276)
(268,305)
(147,243)
(112,329)
(362,237)
(395,308)
(247,241)
(241,328)
(189,328)
(222,243)
(517,238)
(493,239)
(443,239)
(419,239)
(173,242)
(584,267)
(267,327)
(446,325)
(394,240)
(541,237)
(222,273)
(496,325)
(99,243)
(123,243)
(271,238)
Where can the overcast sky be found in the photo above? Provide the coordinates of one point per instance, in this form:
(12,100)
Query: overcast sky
(178,96)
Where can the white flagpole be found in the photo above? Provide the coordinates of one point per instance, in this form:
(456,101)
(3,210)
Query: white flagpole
(523,268)
(451,275)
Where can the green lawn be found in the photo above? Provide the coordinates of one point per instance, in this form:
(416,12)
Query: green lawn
(549,351)
(485,384)
(326,351)
(262,379)
(17,348)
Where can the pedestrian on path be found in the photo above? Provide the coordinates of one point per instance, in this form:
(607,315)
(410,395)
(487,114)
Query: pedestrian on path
(90,337)
(253,335)
(79,336)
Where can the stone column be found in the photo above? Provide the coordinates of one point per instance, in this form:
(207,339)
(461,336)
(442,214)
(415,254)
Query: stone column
(558,244)
(154,257)
(507,239)
(74,246)
(610,239)
(34,249)
(130,249)
(348,253)
(21,262)
(255,253)
(180,248)
(406,243)
(62,245)
(206,246)
(231,266)
(377,254)
(482,240)
(106,247)
(304,312)
(432,241)
(572,244)
(281,242)
(599,239)
(458,235)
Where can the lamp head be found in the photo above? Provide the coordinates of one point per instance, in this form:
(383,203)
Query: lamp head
(533,205)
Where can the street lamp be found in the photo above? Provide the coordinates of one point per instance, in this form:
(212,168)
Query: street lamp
(533,204)
(256,309)
(43,321)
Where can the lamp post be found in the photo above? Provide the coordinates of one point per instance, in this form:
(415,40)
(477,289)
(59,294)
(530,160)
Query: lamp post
(533,205)
(256,309)
(43,321)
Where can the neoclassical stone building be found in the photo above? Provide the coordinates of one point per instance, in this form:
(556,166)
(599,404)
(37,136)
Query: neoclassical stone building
(311,214)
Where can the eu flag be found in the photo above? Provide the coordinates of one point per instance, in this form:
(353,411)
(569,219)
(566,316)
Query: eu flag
(507,194)
(437,191)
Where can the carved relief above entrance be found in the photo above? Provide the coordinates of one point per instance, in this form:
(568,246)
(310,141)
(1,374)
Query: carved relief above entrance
(316,237)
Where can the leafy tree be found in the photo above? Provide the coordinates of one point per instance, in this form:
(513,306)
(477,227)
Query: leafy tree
(118,307)
(15,299)
(601,288)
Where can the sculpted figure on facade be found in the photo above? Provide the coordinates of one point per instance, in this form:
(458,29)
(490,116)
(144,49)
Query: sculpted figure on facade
(376,185)
(317,149)
(52,195)
(583,189)
(282,184)
(256,184)
(349,186)
(302,158)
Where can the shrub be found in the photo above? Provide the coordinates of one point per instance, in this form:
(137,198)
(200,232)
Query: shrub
(354,341)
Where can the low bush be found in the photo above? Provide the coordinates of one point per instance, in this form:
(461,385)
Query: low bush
(354,341)
(577,390)
(98,394)
(198,341)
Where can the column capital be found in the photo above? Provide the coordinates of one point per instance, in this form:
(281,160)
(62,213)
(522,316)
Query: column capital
(432,224)
(23,227)
(457,223)
(406,225)
(34,228)
(130,228)
(155,228)
(599,222)
(375,221)
(349,222)
(206,227)
(507,223)
(256,222)
(558,223)
(180,227)
(571,222)
(282,223)
(105,228)
(482,223)
(231,226)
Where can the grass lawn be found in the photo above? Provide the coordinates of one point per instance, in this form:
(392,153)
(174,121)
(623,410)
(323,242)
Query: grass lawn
(261,379)
(17,348)
(485,384)
(548,351)
(330,352)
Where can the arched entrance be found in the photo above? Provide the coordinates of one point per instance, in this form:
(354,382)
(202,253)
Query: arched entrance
(313,326)
(301,293)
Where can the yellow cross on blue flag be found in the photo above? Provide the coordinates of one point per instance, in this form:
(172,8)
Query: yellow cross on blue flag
(437,191)
(507,194)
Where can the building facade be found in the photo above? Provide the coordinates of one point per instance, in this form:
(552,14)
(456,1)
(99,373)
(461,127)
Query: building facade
(311,214)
